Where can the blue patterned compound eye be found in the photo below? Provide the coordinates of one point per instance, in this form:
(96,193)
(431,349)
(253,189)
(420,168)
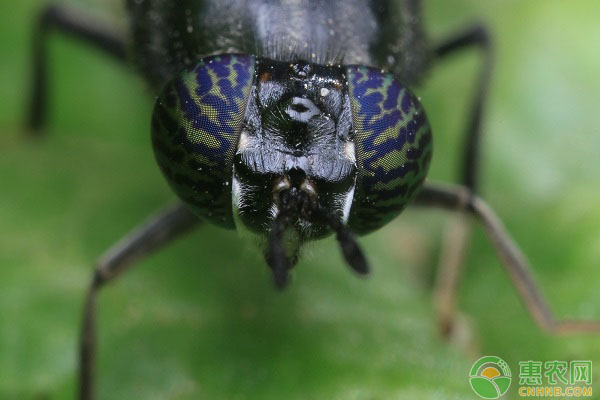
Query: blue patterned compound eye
(195,130)
(393,147)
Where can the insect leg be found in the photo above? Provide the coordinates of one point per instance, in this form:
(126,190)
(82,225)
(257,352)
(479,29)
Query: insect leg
(462,199)
(148,237)
(71,22)
(456,236)
(474,37)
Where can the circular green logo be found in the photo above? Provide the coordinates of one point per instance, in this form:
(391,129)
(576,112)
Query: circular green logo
(490,377)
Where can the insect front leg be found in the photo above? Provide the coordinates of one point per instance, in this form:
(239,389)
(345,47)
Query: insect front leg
(150,236)
(462,199)
(456,237)
(73,23)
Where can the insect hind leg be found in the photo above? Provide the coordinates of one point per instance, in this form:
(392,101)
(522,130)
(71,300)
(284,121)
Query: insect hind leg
(456,238)
(73,23)
(461,198)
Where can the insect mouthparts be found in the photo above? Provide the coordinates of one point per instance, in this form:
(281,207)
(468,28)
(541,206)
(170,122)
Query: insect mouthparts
(293,203)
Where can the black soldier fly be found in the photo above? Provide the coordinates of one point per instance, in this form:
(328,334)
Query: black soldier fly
(293,130)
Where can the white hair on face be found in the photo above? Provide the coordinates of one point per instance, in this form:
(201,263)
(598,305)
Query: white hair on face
(273,211)
(349,151)
(305,227)
(241,195)
(243,142)
(348,204)
(236,193)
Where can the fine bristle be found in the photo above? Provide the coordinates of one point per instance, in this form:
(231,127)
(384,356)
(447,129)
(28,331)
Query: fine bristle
(289,49)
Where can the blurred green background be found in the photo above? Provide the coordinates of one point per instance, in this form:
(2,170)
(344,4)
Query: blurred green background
(201,318)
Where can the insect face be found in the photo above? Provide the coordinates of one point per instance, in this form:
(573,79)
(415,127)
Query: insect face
(243,140)
(296,139)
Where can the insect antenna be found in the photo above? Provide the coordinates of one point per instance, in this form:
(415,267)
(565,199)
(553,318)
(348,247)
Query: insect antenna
(350,248)
(276,258)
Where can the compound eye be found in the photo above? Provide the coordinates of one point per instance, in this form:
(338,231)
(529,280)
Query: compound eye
(392,143)
(196,124)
